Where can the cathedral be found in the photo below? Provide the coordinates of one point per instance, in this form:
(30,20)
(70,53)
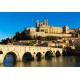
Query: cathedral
(43,29)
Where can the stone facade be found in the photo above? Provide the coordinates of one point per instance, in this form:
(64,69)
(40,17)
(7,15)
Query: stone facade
(43,29)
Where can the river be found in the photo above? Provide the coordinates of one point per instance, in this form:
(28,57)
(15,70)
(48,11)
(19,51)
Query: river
(67,61)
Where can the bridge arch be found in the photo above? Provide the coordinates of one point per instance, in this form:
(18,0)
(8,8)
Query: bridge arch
(39,55)
(57,53)
(10,57)
(48,54)
(64,53)
(27,56)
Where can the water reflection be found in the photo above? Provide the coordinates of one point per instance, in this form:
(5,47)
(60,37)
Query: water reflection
(39,59)
(11,64)
(67,61)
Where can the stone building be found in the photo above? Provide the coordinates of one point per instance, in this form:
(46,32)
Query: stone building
(43,29)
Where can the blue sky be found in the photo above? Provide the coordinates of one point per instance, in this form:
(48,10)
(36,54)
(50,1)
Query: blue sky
(11,22)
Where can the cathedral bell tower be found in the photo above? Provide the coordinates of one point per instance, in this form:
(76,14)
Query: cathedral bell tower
(37,23)
(45,22)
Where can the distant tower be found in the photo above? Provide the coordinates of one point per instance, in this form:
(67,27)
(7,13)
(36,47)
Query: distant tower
(66,29)
(45,22)
(37,23)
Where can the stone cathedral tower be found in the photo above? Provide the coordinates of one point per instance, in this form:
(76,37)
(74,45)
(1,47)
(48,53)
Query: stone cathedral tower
(37,23)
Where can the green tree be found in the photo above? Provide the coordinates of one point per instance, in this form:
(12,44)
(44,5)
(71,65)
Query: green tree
(39,37)
(17,36)
(30,44)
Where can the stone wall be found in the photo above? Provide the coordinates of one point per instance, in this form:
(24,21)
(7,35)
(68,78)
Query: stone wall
(43,34)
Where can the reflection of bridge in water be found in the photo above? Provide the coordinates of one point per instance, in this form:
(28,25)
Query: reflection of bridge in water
(22,53)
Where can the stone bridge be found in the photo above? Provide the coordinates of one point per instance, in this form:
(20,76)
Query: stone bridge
(20,52)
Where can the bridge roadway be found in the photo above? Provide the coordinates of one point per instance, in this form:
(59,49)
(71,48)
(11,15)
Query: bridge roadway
(20,51)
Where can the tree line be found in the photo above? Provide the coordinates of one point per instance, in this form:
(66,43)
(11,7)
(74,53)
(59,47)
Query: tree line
(23,36)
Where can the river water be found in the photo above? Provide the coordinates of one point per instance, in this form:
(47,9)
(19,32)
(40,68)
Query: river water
(67,61)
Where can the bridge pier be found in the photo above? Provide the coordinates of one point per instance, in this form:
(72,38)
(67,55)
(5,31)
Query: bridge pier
(1,59)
